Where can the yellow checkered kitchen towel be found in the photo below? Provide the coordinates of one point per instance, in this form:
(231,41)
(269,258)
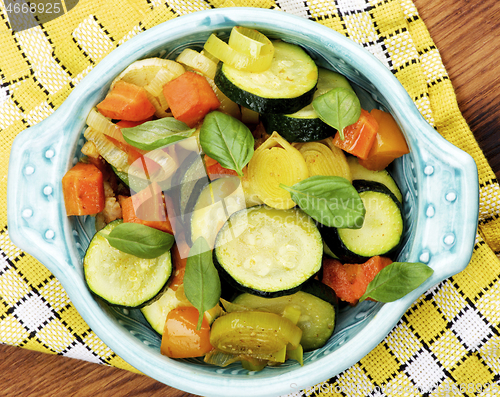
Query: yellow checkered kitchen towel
(450,336)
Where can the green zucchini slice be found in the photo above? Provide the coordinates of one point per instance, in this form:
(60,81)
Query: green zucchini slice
(190,178)
(187,184)
(287,86)
(216,202)
(316,320)
(382,230)
(305,125)
(267,251)
(123,279)
(359,172)
(156,313)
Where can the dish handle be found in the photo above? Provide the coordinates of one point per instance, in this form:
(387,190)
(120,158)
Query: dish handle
(441,204)
(34,193)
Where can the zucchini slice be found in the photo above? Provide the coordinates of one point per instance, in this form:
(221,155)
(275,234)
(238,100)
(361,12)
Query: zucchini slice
(187,184)
(156,313)
(287,86)
(382,230)
(267,251)
(359,172)
(123,279)
(216,202)
(305,125)
(316,320)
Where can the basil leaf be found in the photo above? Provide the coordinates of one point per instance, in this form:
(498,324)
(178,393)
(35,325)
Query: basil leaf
(157,133)
(396,280)
(201,279)
(139,240)
(338,108)
(330,200)
(227,140)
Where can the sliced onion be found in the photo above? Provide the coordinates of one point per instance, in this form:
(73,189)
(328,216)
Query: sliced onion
(102,124)
(162,77)
(226,105)
(160,111)
(274,162)
(241,60)
(221,359)
(113,155)
(199,62)
(142,72)
(322,159)
(248,41)
(249,116)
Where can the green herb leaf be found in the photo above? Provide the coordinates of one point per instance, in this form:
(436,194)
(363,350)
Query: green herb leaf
(338,108)
(330,200)
(227,140)
(157,133)
(396,280)
(139,240)
(201,279)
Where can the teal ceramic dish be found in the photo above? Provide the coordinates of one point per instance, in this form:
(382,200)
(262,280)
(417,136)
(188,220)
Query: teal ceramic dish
(438,181)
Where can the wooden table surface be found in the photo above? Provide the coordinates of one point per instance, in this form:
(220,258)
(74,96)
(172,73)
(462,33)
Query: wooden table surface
(467,34)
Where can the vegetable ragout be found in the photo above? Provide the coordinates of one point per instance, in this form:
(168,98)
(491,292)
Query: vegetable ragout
(240,195)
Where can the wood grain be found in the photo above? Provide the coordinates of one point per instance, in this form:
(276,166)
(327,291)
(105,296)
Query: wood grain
(467,34)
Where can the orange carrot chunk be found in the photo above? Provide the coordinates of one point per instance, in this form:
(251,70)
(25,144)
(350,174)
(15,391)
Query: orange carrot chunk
(359,137)
(126,101)
(148,208)
(179,263)
(190,98)
(349,281)
(389,143)
(83,190)
(214,169)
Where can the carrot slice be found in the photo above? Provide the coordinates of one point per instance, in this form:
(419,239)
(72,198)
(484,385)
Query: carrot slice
(83,190)
(179,263)
(389,143)
(126,101)
(349,281)
(214,169)
(358,137)
(146,207)
(190,97)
